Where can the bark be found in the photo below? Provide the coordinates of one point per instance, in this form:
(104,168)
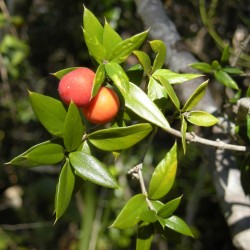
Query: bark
(226,175)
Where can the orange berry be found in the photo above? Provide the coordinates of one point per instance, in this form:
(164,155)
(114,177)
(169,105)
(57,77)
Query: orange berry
(103,107)
(76,86)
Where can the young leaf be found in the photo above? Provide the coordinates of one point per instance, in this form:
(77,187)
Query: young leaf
(160,48)
(194,99)
(64,189)
(155,90)
(144,59)
(126,47)
(114,139)
(138,102)
(49,111)
(164,175)
(99,79)
(183,132)
(174,78)
(91,169)
(110,38)
(201,118)
(225,54)
(204,67)
(148,216)
(177,224)
(169,208)
(61,73)
(231,70)
(224,78)
(170,90)
(116,73)
(73,129)
(93,35)
(130,214)
(145,234)
(46,154)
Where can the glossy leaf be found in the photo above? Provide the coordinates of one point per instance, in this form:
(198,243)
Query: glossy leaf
(130,214)
(177,224)
(73,129)
(144,59)
(50,112)
(174,78)
(164,175)
(155,90)
(201,118)
(22,160)
(204,67)
(157,205)
(170,90)
(195,98)
(114,139)
(64,189)
(61,73)
(160,49)
(91,169)
(126,47)
(110,38)
(145,234)
(99,79)
(116,73)
(138,102)
(148,216)
(169,208)
(224,78)
(46,154)
(183,132)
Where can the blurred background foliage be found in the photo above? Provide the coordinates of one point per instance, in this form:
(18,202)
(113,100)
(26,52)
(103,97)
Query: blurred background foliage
(39,37)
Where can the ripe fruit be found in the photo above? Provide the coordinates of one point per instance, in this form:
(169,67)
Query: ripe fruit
(103,107)
(76,86)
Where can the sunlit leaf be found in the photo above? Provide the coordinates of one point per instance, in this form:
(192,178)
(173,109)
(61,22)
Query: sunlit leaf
(50,112)
(204,67)
(224,78)
(144,59)
(113,139)
(73,128)
(201,118)
(61,73)
(169,208)
(160,49)
(91,169)
(177,224)
(164,175)
(231,70)
(196,97)
(130,214)
(183,133)
(99,79)
(64,189)
(148,216)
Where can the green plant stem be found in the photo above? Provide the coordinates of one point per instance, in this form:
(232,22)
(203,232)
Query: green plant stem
(89,195)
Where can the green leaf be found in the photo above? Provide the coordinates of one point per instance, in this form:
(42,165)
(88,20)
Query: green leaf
(91,169)
(64,189)
(195,98)
(93,35)
(61,73)
(114,139)
(126,47)
(215,65)
(73,129)
(135,74)
(22,160)
(110,38)
(177,224)
(116,73)
(169,208)
(160,48)
(138,102)
(99,79)
(144,59)
(164,175)
(231,70)
(225,54)
(130,214)
(148,216)
(145,234)
(50,112)
(201,118)
(204,67)
(155,90)
(174,78)
(170,90)
(183,132)
(46,154)
(224,78)
(248,126)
